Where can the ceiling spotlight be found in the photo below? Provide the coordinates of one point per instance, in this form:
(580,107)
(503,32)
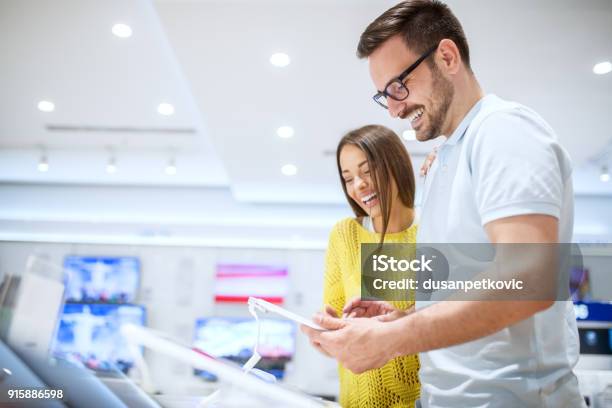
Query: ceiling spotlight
(285,132)
(605,175)
(122,30)
(409,135)
(280,59)
(43,163)
(602,68)
(111,166)
(46,106)
(289,170)
(165,109)
(171,167)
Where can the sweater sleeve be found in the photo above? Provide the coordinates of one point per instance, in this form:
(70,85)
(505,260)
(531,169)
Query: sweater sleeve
(333,288)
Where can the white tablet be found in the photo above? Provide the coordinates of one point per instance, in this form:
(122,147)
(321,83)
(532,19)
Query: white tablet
(264,306)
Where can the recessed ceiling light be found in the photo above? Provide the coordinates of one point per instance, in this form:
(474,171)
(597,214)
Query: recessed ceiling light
(285,132)
(122,30)
(602,68)
(605,175)
(409,135)
(289,170)
(46,106)
(280,59)
(165,109)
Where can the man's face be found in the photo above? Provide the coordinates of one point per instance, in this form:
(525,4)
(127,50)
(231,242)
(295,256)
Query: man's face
(430,93)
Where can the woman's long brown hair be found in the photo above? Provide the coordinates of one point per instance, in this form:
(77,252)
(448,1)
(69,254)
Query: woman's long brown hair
(387,159)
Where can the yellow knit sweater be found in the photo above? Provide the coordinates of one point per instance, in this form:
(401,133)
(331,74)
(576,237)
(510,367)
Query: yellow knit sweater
(397,383)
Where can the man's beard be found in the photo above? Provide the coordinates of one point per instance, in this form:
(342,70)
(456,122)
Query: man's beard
(443,93)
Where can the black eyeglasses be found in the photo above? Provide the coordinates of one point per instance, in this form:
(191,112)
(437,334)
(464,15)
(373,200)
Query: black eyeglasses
(395,88)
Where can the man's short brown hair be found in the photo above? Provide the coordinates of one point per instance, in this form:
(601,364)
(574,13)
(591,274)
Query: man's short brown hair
(421,23)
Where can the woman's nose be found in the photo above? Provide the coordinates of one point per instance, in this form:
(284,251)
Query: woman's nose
(360,183)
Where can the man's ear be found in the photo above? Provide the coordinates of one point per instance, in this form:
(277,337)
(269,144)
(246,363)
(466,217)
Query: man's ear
(448,56)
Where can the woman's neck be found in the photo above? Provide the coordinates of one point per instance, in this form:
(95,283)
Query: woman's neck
(400,220)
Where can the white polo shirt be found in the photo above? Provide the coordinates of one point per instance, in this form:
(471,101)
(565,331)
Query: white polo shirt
(502,160)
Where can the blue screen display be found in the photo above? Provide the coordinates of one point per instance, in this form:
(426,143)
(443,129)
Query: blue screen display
(234,338)
(89,334)
(101,279)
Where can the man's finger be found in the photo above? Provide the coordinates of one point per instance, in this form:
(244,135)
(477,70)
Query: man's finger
(321,350)
(328,322)
(312,334)
(388,317)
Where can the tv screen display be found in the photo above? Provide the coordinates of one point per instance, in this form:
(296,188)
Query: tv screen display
(235,283)
(90,334)
(101,279)
(234,338)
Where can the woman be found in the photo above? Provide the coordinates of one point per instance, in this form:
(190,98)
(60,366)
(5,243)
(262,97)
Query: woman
(378,181)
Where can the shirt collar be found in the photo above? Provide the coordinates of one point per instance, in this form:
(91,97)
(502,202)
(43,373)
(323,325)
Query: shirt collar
(460,130)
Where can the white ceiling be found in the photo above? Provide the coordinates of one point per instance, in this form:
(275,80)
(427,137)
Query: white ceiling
(64,51)
(210,59)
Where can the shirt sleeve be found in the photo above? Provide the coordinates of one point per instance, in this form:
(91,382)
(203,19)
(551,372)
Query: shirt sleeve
(516,167)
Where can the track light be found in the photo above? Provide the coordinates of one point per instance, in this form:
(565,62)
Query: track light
(605,175)
(43,161)
(111,166)
(171,167)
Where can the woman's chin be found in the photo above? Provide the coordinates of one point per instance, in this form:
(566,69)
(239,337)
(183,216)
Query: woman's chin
(373,212)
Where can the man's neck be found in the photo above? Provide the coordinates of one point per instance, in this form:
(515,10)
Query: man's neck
(467,94)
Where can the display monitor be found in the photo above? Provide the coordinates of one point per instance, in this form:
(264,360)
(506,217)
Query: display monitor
(101,279)
(234,338)
(235,283)
(89,334)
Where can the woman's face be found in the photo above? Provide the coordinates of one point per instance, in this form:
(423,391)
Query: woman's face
(359,186)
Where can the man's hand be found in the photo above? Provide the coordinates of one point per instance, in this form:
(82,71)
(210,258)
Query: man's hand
(358,344)
(382,311)
(331,312)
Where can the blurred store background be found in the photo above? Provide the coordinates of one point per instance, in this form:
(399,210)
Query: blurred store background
(173,157)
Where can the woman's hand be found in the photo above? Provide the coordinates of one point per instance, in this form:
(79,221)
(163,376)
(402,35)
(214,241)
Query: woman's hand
(431,157)
(382,311)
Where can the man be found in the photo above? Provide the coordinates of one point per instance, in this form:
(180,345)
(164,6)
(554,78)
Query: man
(500,177)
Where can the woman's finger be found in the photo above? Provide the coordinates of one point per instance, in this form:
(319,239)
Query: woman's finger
(354,302)
(330,311)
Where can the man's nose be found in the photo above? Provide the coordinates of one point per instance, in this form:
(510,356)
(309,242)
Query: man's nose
(396,108)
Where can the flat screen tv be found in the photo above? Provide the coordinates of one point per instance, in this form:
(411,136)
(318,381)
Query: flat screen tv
(233,338)
(101,279)
(89,334)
